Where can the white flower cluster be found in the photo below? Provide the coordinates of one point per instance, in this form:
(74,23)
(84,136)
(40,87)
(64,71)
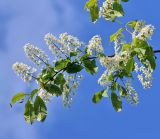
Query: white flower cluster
(132,96)
(24,71)
(44,95)
(111,64)
(72,83)
(107,10)
(71,43)
(144,75)
(63,45)
(95,45)
(103,80)
(142,31)
(35,54)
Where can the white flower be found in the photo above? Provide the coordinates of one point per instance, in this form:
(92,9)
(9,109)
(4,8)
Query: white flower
(144,75)
(107,10)
(72,83)
(131,96)
(24,71)
(44,95)
(35,54)
(142,31)
(62,46)
(95,45)
(146,32)
(54,44)
(70,40)
(103,80)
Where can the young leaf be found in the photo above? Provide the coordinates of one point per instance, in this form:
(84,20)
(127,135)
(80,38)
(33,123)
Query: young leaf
(40,109)
(122,91)
(90,66)
(33,93)
(116,102)
(114,36)
(61,64)
(17,97)
(73,68)
(92,7)
(132,24)
(59,80)
(118,8)
(97,97)
(29,114)
(73,54)
(130,65)
(53,89)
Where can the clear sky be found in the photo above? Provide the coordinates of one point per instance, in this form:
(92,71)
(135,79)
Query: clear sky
(23,21)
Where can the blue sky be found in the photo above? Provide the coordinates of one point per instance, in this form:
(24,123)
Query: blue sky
(23,21)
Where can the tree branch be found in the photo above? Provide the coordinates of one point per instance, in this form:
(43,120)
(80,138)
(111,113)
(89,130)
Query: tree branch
(156,51)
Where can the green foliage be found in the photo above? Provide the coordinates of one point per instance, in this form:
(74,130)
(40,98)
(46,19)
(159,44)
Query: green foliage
(29,113)
(40,109)
(144,52)
(33,93)
(90,66)
(59,79)
(61,64)
(53,89)
(111,13)
(73,68)
(92,7)
(116,102)
(114,36)
(99,95)
(130,65)
(17,97)
(118,9)
(132,24)
(122,91)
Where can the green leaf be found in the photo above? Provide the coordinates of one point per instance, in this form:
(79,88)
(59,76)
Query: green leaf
(59,80)
(113,86)
(73,54)
(132,24)
(47,74)
(150,57)
(144,52)
(53,89)
(29,114)
(40,109)
(130,65)
(84,57)
(114,36)
(122,91)
(61,64)
(118,8)
(17,97)
(97,97)
(33,93)
(126,47)
(90,66)
(116,102)
(92,7)
(73,68)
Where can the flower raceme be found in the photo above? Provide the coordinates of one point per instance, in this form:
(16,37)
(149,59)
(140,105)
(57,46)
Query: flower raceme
(24,71)
(62,77)
(35,54)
